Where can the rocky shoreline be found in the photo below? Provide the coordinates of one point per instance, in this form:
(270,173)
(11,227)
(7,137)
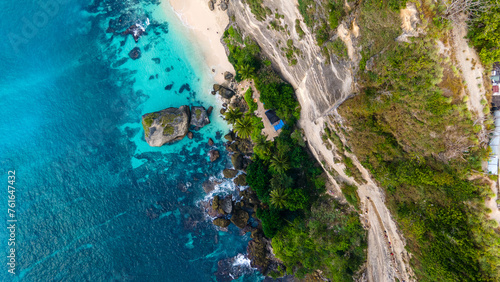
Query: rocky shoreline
(239,210)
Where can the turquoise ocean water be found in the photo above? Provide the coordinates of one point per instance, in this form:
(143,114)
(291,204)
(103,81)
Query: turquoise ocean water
(93,201)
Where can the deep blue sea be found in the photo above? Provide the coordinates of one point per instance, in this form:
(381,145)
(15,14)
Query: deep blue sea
(93,202)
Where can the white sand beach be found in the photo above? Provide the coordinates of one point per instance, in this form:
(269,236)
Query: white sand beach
(207,27)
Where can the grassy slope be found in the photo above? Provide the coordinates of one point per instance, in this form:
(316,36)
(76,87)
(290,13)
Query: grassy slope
(410,127)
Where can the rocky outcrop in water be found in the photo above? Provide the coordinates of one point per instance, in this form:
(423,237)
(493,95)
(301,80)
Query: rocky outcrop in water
(229,173)
(224,92)
(199,117)
(136,30)
(240,218)
(135,53)
(222,222)
(214,155)
(166,126)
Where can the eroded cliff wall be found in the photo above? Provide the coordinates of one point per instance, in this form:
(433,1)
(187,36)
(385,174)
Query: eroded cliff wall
(320,85)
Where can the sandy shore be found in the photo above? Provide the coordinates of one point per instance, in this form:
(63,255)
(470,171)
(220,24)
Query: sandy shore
(207,27)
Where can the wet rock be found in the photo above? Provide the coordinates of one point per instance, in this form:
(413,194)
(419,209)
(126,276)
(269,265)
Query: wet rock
(222,111)
(135,53)
(223,91)
(214,155)
(241,180)
(186,87)
(209,186)
(210,142)
(166,126)
(199,117)
(222,222)
(229,173)
(190,135)
(233,147)
(151,77)
(210,109)
(168,87)
(156,60)
(228,75)
(257,253)
(213,92)
(240,218)
(136,30)
(216,203)
(237,161)
(211,5)
(223,6)
(227,204)
(226,93)
(229,136)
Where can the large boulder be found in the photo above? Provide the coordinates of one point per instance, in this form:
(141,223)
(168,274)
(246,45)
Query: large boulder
(135,53)
(222,222)
(229,137)
(229,173)
(166,126)
(214,155)
(223,91)
(227,204)
(241,180)
(228,75)
(223,6)
(211,5)
(240,218)
(199,117)
(237,160)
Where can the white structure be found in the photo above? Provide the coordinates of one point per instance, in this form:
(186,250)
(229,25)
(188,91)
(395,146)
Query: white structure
(494,145)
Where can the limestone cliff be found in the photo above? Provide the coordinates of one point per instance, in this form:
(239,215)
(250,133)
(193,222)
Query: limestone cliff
(320,85)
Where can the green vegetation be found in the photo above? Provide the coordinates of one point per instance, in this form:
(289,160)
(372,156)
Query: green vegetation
(232,115)
(244,127)
(288,184)
(298,29)
(411,129)
(235,34)
(332,240)
(322,18)
(197,113)
(258,9)
(338,48)
(249,99)
(168,130)
(484,32)
(351,194)
(274,92)
(291,52)
(147,121)
(309,231)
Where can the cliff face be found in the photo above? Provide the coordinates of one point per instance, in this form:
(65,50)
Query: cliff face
(320,85)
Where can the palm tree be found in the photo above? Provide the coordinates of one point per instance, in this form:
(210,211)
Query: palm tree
(246,71)
(232,115)
(244,127)
(262,147)
(279,198)
(280,163)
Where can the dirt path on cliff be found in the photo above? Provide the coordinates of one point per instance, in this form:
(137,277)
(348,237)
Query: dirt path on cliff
(383,235)
(470,66)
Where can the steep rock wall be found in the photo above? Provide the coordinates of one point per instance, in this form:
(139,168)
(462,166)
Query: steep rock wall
(320,85)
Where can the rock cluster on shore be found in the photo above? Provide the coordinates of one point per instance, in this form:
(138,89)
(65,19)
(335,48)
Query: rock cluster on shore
(172,124)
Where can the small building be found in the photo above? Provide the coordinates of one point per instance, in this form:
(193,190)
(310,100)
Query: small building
(496,90)
(275,121)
